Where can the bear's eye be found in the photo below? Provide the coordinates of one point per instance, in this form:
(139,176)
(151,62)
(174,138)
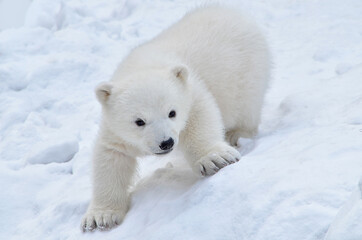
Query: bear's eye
(172,114)
(140,122)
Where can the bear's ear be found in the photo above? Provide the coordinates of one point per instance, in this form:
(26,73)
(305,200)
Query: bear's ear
(103,91)
(180,72)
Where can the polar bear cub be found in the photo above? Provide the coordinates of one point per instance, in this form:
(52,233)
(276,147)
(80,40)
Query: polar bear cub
(198,86)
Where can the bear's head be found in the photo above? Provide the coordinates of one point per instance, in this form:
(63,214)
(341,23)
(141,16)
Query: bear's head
(148,109)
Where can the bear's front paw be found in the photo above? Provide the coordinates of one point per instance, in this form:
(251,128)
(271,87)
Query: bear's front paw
(102,219)
(216,159)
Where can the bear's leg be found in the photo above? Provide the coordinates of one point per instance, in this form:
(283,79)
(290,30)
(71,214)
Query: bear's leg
(203,142)
(232,136)
(112,175)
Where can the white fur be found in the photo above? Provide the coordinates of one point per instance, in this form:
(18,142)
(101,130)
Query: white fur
(212,68)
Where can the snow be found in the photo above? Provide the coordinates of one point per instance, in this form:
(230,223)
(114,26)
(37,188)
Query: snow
(59,153)
(297,180)
(12,13)
(348,222)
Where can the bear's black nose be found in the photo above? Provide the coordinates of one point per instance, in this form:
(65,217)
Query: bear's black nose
(168,144)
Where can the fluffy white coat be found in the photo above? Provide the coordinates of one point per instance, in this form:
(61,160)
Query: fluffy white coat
(211,69)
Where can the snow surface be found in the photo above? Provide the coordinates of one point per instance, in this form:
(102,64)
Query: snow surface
(348,222)
(293,179)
